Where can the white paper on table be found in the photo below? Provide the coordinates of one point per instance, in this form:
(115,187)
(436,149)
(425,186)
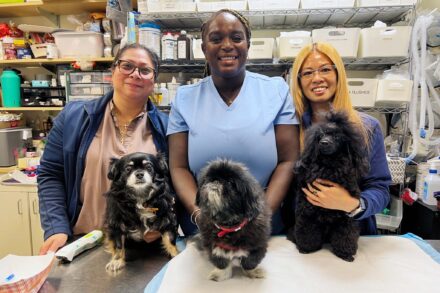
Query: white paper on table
(23,267)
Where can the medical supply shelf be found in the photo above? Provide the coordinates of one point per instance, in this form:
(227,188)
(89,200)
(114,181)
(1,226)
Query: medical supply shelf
(292,19)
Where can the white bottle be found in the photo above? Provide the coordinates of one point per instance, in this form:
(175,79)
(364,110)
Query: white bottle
(165,95)
(172,89)
(431,186)
(168,44)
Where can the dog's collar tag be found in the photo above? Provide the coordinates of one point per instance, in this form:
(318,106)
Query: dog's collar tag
(226,230)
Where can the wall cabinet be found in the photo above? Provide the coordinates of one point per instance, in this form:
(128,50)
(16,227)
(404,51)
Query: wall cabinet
(19,221)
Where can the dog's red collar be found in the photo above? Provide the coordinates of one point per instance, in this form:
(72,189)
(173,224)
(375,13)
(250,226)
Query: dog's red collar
(225,246)
(225,230)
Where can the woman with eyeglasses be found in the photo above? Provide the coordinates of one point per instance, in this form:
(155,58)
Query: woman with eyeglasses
(86,134)
(319,85)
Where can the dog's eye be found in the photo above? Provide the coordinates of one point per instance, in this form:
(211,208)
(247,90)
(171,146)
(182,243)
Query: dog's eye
(148,168)
(128,168)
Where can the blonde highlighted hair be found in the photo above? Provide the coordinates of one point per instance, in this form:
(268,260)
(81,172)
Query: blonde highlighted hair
(341,99)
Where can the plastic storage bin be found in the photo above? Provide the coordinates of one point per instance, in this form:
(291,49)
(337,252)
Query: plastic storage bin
(86,89)
(261,48)
(393,92)
(272,4)
(326,3)
(392,221)
(289,47)
(79,44)
(390,41)
(345,40)
(362,91)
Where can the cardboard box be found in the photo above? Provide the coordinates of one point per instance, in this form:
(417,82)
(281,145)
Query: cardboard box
(12,124)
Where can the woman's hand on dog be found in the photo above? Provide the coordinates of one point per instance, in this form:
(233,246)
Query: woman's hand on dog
(330,195)
(53,243)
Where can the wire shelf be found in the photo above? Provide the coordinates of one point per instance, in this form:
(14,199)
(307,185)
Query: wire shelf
(295,18)
(197,66)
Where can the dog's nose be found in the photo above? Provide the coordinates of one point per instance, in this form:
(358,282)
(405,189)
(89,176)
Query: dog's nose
(324,142)
(139,175)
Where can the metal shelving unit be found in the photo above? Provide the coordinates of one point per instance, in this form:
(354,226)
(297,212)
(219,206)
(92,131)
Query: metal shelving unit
(197,66)
(292,19)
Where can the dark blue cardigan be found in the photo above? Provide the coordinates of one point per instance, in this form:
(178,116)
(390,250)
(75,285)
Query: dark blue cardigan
(62,164)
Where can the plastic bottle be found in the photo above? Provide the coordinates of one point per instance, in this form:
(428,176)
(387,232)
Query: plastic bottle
(168,44)
(172,89)
(165,101)
(10,82)
(431,187)
(149,36)
(183,46)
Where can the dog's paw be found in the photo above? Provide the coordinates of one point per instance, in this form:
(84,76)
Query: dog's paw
(220,275)
(257,273)
(115,265)
(346,257)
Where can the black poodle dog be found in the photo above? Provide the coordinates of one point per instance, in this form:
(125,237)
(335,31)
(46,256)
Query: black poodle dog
(333,150)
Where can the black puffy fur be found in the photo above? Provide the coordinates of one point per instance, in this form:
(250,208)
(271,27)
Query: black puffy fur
(333,150)
(140,199)
(228,194)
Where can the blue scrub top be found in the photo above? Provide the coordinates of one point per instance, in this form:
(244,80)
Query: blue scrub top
(243,131)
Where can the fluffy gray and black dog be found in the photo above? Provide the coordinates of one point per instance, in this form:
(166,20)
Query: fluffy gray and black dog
(140,199)
(333,150)
(234,222)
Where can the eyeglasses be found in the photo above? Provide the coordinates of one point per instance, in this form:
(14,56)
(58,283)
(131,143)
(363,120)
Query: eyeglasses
(324,70)
(126,67)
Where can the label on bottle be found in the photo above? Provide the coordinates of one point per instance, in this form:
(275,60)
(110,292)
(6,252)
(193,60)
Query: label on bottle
(181,49)
(168,49)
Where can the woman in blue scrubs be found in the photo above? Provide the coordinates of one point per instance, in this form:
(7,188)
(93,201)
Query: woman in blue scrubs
(233,114)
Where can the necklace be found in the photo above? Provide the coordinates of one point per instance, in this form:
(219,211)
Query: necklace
(123,129)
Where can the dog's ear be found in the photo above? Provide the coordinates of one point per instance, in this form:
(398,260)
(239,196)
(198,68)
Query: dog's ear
(162,161)
(250,196)
(113,172)
(198,198)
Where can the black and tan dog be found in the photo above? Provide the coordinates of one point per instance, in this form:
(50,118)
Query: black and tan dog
(140,200)
(336,151)
(234,222)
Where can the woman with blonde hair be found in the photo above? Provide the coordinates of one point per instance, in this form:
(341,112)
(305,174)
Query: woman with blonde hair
(319,85)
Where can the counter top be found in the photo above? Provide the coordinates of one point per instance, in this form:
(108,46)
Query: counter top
(87,271)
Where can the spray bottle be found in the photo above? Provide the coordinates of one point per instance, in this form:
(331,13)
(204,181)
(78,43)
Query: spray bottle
(431,186)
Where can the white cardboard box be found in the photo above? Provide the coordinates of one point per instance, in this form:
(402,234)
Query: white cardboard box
(345,40)
(393,92)
(272,4)
(261,48)
(369,3)
(362,91)
(212,6)
(307,4)
(390,41)
(171,6)
(289,47)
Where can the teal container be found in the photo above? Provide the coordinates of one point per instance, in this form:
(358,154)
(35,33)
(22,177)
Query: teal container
(10,82)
